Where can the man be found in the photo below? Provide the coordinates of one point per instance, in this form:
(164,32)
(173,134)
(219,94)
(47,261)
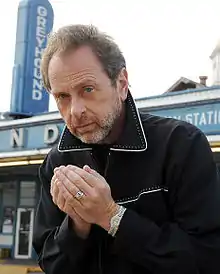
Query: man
(121,193)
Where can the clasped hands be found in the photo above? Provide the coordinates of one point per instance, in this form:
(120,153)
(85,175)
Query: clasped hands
(96,206)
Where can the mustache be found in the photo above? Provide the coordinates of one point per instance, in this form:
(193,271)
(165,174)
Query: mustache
(83,125)
(80,123)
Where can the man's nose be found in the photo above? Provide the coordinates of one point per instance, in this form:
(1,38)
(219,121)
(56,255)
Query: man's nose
(77,108)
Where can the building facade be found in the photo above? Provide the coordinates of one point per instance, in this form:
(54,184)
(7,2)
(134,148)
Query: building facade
(25,142)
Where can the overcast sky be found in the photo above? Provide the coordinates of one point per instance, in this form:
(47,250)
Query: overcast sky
(162,40)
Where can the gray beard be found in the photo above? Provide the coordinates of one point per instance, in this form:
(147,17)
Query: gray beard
(100,136)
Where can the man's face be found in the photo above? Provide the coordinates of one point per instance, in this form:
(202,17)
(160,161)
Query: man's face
(85,96)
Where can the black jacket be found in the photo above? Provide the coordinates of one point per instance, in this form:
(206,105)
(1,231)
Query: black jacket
(162,170)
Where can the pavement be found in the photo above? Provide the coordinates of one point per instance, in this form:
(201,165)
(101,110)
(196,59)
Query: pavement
(7,268)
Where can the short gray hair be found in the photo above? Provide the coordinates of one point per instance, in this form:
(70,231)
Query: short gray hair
(75,36)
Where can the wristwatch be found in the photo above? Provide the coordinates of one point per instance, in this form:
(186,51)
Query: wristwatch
(115,221)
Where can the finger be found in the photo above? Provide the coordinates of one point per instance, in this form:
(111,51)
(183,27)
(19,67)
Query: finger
(71,212)
(54,178)
(55,191)
(86,176)
(68,197)
(60,201)
(58,168)
(78,181)
(68,189)
(71,188)
(99,179)
(92,172)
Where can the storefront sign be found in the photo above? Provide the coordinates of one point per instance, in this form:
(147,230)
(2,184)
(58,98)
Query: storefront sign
(206,117)
(39,136)
(31,137)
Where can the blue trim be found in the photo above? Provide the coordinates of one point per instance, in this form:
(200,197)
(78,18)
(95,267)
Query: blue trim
(178,93)
(216,133)
(181,105)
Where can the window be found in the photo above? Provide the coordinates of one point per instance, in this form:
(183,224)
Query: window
(8,206)
(27,194)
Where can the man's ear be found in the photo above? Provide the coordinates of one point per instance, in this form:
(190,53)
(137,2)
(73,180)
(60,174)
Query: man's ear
(122,84)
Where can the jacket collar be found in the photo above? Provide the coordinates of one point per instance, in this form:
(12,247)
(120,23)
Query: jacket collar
(132,138)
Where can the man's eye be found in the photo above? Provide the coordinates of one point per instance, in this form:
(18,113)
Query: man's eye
(62,96)
(88,89)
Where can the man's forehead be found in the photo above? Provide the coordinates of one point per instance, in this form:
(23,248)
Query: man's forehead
(69,68)
(83,56)
(82,75)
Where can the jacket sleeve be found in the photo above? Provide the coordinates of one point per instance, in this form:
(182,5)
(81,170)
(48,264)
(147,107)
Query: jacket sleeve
(190,242)
(58,248)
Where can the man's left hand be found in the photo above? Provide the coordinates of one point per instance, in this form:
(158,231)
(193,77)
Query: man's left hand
(96,205)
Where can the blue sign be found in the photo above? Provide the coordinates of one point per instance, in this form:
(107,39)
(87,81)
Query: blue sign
(206,117)
(41,135)
(30,137)
(34,23)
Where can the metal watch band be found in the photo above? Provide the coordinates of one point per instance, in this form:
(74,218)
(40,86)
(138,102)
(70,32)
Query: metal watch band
(115,221)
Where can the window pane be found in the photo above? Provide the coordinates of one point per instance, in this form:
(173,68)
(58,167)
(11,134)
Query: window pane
(8,219)
(27,193)
(8,191)
(27,202)
(8,195)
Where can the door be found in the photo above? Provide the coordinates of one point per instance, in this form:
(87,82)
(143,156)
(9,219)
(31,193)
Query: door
(24,233)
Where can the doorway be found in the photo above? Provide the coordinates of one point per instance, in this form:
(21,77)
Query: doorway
(24,233)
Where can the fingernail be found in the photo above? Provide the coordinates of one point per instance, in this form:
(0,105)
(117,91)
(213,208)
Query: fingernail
(87,168)
(71,167)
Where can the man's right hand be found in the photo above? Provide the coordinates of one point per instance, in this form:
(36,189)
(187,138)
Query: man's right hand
(81,227)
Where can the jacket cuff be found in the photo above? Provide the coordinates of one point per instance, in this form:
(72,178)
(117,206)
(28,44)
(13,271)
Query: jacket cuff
(67,239)
(131,232)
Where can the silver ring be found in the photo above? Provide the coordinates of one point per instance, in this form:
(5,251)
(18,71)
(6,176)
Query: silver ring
(79,195)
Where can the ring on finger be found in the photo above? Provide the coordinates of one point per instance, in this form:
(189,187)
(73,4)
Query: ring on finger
(79,195)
